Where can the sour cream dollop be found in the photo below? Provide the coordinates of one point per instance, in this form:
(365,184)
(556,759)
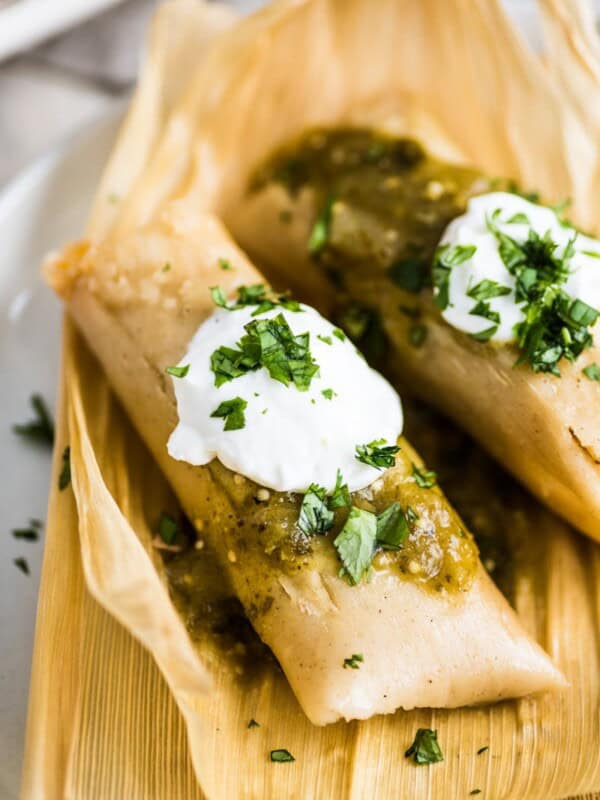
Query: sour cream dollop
(290,438)
(471,229)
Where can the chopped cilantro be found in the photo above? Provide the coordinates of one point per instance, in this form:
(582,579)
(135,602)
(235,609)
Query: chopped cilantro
(392,527)
(483,749)
(64,478)
(21,563)
(167,528)
(178,372)
(556,325)
(483,309)
(339,333)
(325,339)
(315,516)
(328,394)
(411,515)
(409,274)
(354,661)
(425,748)
(444,260)
(417,335)
(355,543)
(487,289)
(232,411)
(268,343)
(31,533)
(592,372)
(518,219)
(474,792)
(253,724)
(591,253)
(425,479)
(41,428)
(281,755)
(319,235)
(257,295)
(225,264)
(375,455)
(340,497)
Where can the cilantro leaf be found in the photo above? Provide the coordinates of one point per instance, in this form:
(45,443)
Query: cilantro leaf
(21,563)
(41,428)
(64,478)
(355,543)
(340,497)
(178,372)
(354,661)
(375,455)
(232,411)
(487,289)
(319,235)
(592,372)
(409,274)
(167,528)
(447,257)
(30,534)
(425,748)
(315,516)
(281,755)
(423,478)
(392,527)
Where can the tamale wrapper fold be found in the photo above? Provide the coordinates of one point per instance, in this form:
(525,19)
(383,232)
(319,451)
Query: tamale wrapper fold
(104,722)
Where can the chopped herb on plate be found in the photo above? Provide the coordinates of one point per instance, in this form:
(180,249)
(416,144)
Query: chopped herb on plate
(21,563)
(281,755)
(315,516)
(31,533)
(168,528)
(425,748)
(592,372)
(425,479)
(178,372)
(41,427)
(355,543)
(253,724)
(64,478)
(232,411)
(376,455)
(354,661)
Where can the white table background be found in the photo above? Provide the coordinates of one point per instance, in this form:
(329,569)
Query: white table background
(46,95)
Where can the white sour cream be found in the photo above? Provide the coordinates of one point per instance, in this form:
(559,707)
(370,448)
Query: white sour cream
(291,438)
(471,229)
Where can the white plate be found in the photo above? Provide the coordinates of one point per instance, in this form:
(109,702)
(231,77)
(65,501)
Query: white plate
(24,23)
(44,207)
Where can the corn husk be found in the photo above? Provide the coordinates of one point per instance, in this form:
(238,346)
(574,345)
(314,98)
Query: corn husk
(103,722)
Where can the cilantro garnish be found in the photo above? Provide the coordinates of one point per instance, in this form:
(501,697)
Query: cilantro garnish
(257,295)
(556,325)
(64,478)
(178,372)
(487,289)
(417,335)
(325,339)
(41,428)
(355,543)
(364,533)
(339,333)
(225,264)
(425,748)
(316,512)
(232,411)
(483,749)
(30,534)
(167,528)
(518,219)
(271,344)
(425,479)
(315,516)
(328,394)
(354,661)
(444,260)
(375,455)
(319,235)
(409,274)
(253,724)
(483,309)
(340,497)
(21,563)
(281,755)
(592,372)
(392,527)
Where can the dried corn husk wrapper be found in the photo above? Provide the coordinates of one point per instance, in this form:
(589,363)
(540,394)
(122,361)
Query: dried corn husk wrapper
(102,723)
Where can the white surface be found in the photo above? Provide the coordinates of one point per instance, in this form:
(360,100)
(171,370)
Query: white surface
(290,438)
(26,22)
(44,207)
